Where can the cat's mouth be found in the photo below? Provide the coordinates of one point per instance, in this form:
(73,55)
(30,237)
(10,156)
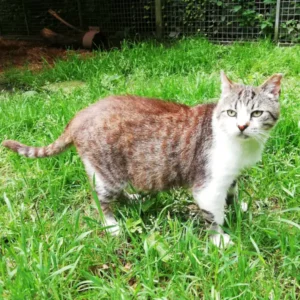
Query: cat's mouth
(243,136)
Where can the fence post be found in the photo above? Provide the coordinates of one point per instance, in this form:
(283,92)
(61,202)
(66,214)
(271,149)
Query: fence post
(79,14)
(277,19)
(158,19)
(25,17)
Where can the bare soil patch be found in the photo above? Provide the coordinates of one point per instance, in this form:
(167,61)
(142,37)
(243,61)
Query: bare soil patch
(33,55)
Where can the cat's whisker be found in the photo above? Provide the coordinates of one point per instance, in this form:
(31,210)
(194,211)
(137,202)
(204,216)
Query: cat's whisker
(263,138)
(258,139)
(263,133)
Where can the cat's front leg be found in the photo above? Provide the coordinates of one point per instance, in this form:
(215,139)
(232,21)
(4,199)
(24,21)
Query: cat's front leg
(211,200)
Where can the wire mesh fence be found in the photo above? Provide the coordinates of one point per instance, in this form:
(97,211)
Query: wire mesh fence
(21,17)
(119,17)
(218,20)
(225,20)
(289,30)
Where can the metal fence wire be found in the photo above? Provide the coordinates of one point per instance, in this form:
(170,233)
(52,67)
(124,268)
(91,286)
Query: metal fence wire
(218,20)
(289,29)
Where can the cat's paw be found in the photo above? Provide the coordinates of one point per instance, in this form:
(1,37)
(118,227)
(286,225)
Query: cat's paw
(133,197)
(244,206)
(221,240)
(114,230)
(112,226)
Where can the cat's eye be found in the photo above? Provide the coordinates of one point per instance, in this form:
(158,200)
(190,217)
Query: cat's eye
(256,113)
(231,113)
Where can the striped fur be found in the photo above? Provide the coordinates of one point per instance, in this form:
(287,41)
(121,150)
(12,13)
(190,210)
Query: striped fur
(60,145)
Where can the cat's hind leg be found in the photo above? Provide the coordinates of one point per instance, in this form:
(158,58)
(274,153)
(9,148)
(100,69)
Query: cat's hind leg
(106,193)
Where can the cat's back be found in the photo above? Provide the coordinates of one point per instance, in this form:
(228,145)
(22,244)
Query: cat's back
(117,109)
(139,105)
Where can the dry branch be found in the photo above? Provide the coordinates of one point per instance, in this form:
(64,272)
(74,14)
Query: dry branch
(55,15)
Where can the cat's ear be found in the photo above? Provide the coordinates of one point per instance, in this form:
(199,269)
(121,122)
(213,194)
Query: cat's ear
(226,84)
(271,87)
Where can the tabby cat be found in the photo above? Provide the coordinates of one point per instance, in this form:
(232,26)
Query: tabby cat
(156,145)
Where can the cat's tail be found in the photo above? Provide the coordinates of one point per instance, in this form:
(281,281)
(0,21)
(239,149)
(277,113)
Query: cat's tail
(58,146)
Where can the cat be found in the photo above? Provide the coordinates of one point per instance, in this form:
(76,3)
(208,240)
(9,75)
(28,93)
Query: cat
(156,145)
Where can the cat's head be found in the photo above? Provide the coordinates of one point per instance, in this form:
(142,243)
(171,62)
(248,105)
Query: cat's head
(248,112)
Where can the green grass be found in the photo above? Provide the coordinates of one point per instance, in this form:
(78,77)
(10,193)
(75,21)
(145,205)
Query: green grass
(52,247)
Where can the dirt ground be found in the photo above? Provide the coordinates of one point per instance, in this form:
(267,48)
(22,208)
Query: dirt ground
(14,53)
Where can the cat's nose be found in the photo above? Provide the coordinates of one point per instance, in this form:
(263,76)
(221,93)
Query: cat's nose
(243,127)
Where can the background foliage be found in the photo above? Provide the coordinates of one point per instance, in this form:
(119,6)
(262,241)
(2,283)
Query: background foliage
(217,19)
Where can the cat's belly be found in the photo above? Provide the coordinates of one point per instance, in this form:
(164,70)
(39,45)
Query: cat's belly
(156,176)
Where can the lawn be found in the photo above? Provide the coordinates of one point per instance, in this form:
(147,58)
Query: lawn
(52,246)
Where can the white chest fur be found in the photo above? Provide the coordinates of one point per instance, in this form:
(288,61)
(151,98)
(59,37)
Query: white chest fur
(228,156)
